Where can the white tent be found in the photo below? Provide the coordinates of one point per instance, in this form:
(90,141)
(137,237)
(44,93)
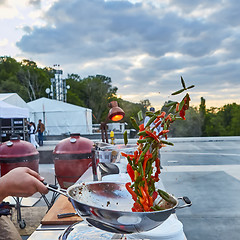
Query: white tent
(10,111)
(13,99)
(60,117)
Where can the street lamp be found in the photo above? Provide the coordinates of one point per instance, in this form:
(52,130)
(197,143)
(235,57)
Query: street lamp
(115,114)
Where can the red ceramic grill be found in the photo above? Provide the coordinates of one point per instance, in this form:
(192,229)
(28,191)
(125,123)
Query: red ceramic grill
(72,157)
(18,153)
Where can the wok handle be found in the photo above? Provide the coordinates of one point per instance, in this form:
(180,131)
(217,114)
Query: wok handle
(186,200)
(56,189)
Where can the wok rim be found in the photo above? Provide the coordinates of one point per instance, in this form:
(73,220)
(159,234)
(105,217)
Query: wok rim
(113,210)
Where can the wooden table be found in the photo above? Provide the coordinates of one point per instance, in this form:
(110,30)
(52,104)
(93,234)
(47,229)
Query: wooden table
(62,205)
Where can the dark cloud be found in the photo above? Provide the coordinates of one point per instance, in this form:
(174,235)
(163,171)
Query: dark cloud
(110,37)
(35,3)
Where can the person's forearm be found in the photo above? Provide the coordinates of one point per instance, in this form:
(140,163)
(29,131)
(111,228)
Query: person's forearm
(2,190)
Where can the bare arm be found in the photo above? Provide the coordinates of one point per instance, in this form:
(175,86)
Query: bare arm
(21,182)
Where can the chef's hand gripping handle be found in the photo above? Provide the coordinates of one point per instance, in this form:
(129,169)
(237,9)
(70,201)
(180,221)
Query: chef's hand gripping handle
(186,200)
(56,189)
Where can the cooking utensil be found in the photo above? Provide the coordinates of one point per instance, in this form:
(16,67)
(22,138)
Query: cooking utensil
(107,205)
(64,215)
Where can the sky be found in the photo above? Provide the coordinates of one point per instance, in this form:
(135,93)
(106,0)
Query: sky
(145,46)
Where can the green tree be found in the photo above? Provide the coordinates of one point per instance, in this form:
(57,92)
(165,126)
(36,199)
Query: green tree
(34,79)
(191,127)
(75,93)
(25,78)
(94,92)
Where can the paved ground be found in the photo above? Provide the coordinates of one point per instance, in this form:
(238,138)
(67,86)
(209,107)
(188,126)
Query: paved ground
(207,170)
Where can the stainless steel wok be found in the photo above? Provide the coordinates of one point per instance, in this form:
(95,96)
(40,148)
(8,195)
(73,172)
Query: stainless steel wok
(107,206)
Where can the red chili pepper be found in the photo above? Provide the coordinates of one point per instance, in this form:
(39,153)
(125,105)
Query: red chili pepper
(146,208)
(162,115)
(130,172)
(154,136)
(157,162)
(135,154)
(157,124)
(163,132)
(145,164)
(134,195)
(154,196)
(138,207)
(124,154)
(168,118)
(182,114)
(156,177)
(141,127)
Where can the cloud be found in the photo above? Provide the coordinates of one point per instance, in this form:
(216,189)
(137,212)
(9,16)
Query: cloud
(147,43)
(2,2)
(35,3)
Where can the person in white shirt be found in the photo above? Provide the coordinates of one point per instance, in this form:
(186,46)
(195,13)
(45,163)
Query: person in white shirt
(32,135)
(159,128)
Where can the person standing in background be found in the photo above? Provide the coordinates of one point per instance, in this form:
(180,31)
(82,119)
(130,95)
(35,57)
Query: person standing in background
(32,134)
(159,128)
(40,130)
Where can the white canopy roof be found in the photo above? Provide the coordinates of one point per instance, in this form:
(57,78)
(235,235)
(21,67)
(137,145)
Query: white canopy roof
(60,117)
(13,99)
(10,111)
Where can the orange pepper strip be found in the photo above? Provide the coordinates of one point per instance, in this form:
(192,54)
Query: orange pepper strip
(145,186)
(145,197)
(150,201)
(142,200)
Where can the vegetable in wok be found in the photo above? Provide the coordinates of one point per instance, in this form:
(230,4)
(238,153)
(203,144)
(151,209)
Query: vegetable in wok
(144,165)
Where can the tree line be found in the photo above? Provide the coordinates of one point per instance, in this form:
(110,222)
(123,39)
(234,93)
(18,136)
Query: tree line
(95,92)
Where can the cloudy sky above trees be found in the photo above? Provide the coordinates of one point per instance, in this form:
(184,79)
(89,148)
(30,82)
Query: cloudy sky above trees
(143,45)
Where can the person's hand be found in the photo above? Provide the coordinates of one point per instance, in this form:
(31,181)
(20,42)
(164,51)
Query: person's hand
(21,182)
